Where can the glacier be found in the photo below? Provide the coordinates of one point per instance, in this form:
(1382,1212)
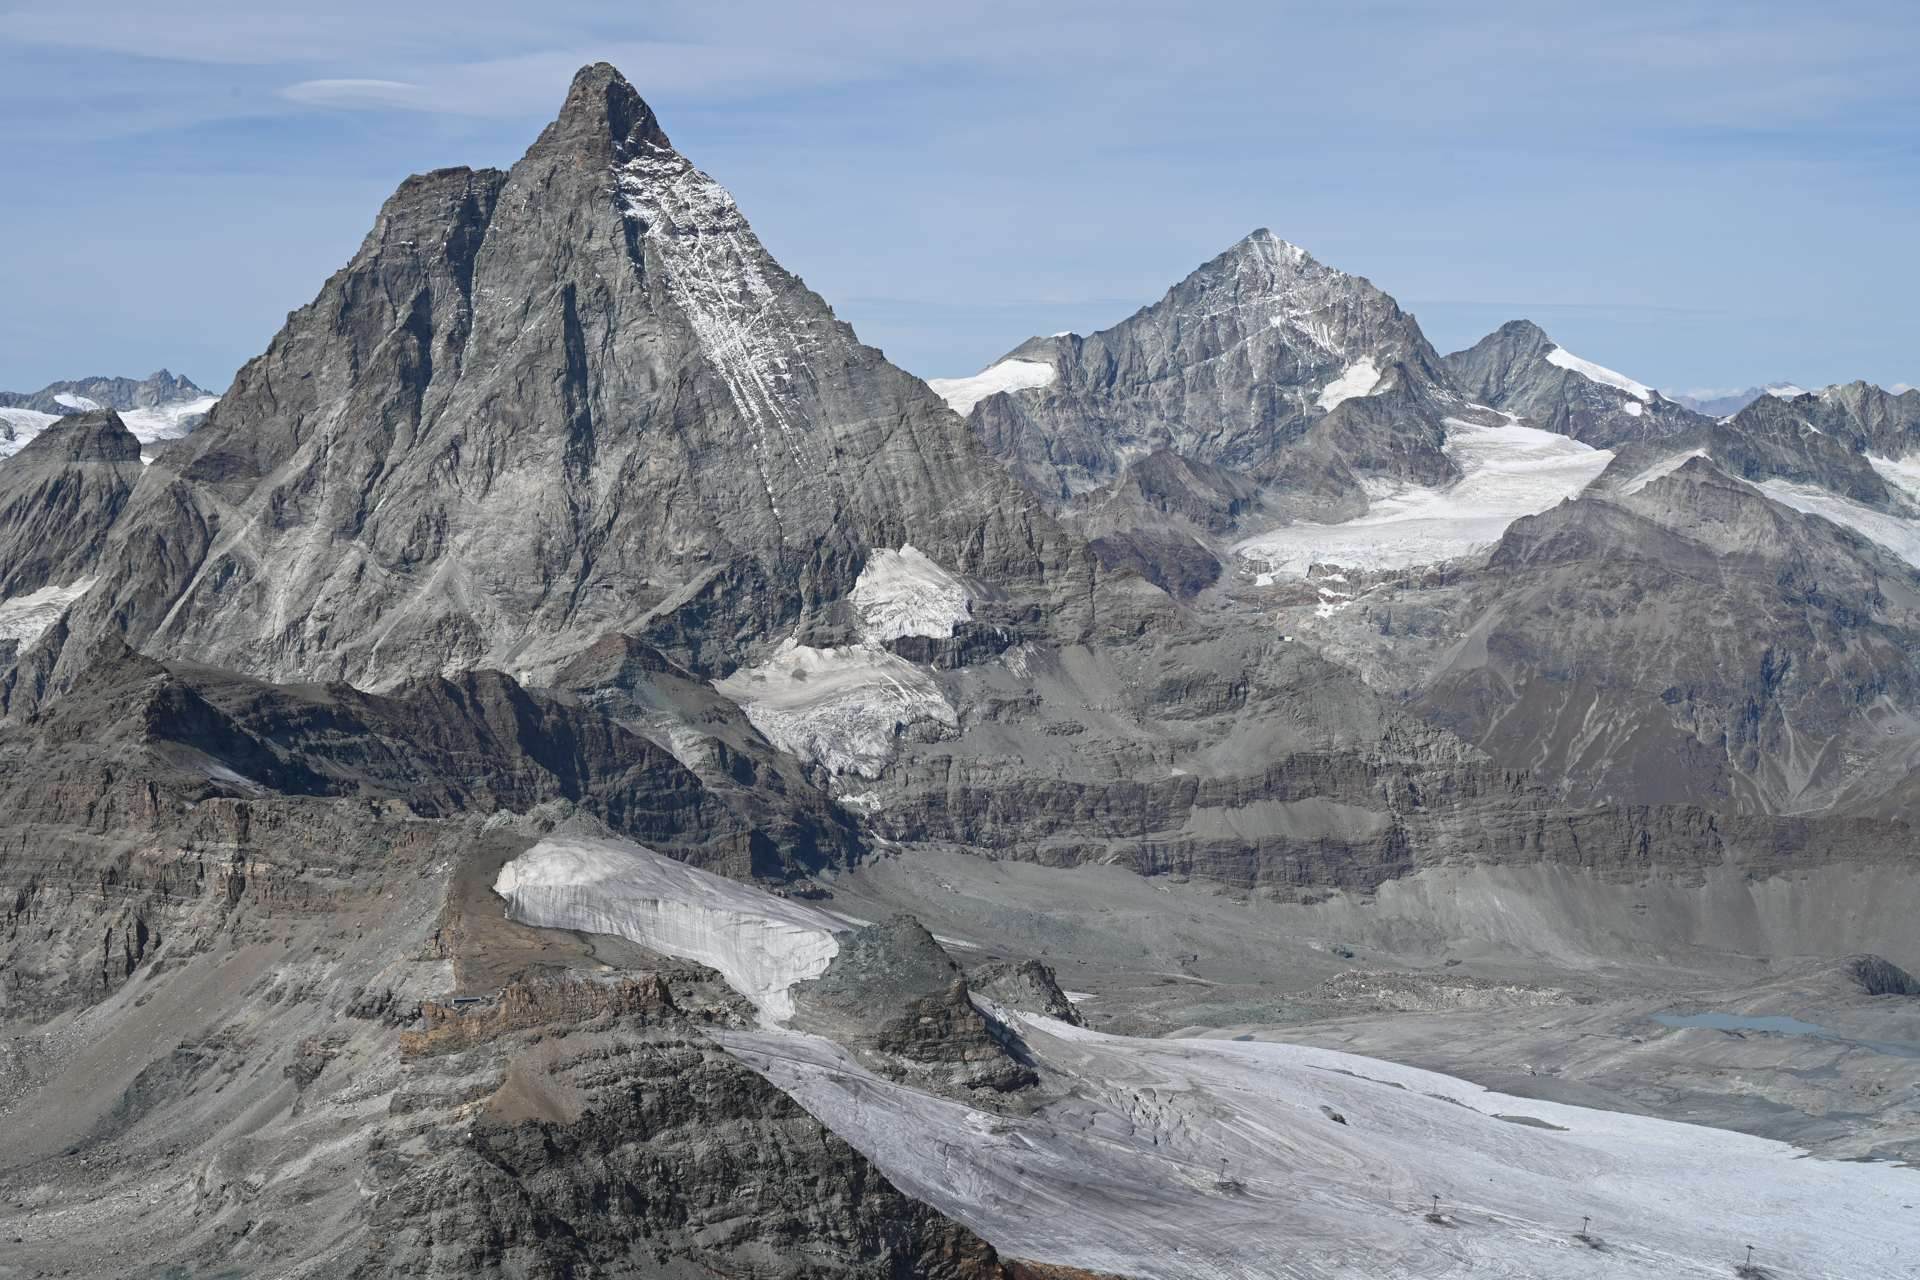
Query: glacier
(1508,471)
(759,943)
(842,708)
(26,618)
(961,394)
(1225,1160)
(904,593)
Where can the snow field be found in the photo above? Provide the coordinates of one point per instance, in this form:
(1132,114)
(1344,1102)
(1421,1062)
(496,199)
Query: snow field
(1509,471)
(961,394)
(760,944)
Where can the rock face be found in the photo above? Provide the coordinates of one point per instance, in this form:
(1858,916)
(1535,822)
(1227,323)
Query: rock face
(1266,385)
(1261,356)
(1519,369)
(895,994)
(59,497)
(1730,623)
(542,405)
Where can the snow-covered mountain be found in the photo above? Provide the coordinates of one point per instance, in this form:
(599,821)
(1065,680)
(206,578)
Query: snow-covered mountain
(162,406)
(1520,369)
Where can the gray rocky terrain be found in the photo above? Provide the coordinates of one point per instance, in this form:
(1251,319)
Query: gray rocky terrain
(565,513)
(1514,368)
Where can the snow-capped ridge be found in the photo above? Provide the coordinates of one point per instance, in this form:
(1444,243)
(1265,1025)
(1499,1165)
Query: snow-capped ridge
(962,394)
(1592,372)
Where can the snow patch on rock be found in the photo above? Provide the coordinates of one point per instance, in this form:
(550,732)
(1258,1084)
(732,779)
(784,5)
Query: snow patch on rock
(1361,378)
(1508,471)
(1592,372)
(1223,1159)
(760,944)
(1665,467)
(961,394)
(79,404)
(904,593)
(842,708)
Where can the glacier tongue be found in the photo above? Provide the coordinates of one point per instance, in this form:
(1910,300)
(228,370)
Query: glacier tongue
(760,944)
(1212,1158)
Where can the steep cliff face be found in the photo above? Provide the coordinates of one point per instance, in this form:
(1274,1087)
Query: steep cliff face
(1259,361)
(543,405)
(59,498)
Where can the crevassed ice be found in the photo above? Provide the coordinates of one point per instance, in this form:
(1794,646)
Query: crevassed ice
(26,618)
(1220,1159)
(961,394)
(842,708)
(1509,471)
(1592,372)
(904,593)
(760,944)
(1360,378)
(167,421)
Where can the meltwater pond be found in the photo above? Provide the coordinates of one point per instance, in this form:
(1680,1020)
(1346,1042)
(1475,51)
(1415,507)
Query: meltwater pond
(1785,1026)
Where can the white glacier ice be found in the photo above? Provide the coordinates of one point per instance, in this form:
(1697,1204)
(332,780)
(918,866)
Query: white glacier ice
(1897,534)
(1360,378)
(169,421)
(1509,471)
(961,394)
(904,593)
(1592,372)
(842,708)
(79,404)
(1260,1161)
(760,944)
(18,426)
(25,618)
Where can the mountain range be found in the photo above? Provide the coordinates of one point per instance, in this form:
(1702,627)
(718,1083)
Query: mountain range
(579,766)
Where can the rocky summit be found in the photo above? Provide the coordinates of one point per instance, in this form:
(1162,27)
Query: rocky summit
(577,766)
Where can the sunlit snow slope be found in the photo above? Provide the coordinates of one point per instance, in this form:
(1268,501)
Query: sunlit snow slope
(1009,375)
(760,944)
(1508,472)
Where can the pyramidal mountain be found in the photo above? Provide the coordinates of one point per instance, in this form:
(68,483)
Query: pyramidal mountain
(1519,369)
(1263,360)
(545,404)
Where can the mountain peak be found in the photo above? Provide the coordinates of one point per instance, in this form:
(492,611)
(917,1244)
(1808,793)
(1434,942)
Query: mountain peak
(1267,245)
(603,108)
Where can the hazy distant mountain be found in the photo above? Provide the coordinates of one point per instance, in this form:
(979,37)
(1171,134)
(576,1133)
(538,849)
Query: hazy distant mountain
(1719,404)
(161,406)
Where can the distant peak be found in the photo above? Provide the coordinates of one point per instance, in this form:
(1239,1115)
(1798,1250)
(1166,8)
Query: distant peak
(602,107)
(1524,329)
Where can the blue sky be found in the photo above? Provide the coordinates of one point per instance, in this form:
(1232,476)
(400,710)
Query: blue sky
(1703,195)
